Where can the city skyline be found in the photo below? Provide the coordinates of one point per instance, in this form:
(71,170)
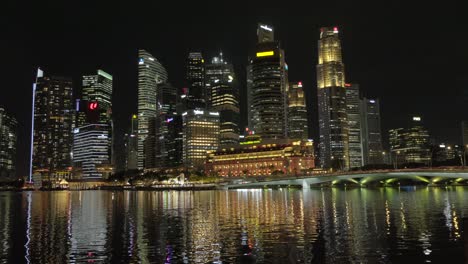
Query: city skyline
(302,71)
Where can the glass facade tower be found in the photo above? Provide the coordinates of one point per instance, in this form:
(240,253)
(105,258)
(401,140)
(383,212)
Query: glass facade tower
(53,121)
(150,74)
(297,112)
(8,139)
(333,121)
(269,87)
(221,85)
(353,109)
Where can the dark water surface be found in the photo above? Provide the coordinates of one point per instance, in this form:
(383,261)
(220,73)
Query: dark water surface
(382,225)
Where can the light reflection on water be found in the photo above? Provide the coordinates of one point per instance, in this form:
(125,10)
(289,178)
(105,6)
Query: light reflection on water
(241,226)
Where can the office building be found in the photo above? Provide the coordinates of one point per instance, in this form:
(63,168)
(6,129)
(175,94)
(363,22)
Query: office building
(297,112)
(249,95)
(94,115)
(167,149)
(150,74)
(410,146)
(200,134)
(333,121)
(91,155)
(223,97)
(263,158)
(52,128)
(98,89)
(131,145)
(353,111)
(195,77)
(269,87)
(8,139)
(372,148)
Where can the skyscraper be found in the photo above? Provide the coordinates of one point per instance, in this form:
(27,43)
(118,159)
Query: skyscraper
(93,135)
(269,86)
(371,132)
(333,122)
(98,88)
(249,95)
(297,112)
(353,110)
(131,145)
(411,144)
(168,153)
(195,76)
(200,134)
(8,139)
(53,119)
(150,74)
(223,94)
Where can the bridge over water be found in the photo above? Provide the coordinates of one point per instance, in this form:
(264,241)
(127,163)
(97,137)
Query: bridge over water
(363,178)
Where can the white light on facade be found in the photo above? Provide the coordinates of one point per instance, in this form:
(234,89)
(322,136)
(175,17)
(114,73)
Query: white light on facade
(266,27)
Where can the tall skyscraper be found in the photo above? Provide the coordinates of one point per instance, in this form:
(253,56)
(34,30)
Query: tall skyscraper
(93,136)
(333,122)
(150,74)
(353,110)
(200,134)
(53,120)
(221,85)
(131,145)
(410,145)
(269,87)
(249,95)
(98,89)
(168,154)
(371,132)
(297,112)
(8,139)
(195,76)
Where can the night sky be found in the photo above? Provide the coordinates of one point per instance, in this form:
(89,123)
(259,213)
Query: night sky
(411,57)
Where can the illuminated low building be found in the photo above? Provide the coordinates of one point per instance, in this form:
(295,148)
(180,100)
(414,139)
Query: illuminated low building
(200,134)
(262,158)
(91,157)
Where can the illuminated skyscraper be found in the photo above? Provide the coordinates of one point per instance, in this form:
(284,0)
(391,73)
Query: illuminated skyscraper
(195,76)
(353,109)
(200,134)
(249,95)
(8,136)
(98,88)
(333,122)
(410,145)
(269,87)
(168,152)
(131,145)
(53,119)
(371,132)
(223,94)
(94,117)
(150,74)
(297,112)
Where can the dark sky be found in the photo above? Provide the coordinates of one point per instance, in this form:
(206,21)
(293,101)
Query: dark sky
(411,57)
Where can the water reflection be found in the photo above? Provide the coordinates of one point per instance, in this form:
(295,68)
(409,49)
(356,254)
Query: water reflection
(243,226)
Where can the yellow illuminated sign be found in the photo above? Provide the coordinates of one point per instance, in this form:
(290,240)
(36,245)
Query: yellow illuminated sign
(250,142)
(265,53)
(134,116)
